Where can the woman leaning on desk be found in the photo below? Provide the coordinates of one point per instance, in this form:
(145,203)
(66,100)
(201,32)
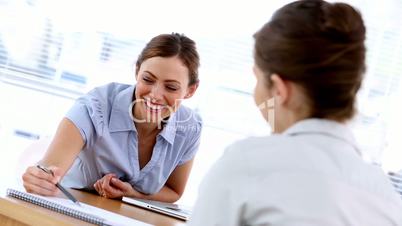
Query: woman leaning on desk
(309,61)
(125,140)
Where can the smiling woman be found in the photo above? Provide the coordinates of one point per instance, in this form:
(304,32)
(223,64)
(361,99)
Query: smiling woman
(125,140)
(161,85)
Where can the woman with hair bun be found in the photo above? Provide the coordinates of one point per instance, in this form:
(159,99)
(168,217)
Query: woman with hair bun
(309,64)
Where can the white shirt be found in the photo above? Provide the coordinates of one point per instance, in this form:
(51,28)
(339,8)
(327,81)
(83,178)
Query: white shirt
(312,174)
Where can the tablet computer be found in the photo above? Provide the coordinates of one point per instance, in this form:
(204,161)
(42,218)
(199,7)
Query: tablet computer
(169,209)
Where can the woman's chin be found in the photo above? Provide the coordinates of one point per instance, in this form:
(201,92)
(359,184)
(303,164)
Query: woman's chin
(155,117)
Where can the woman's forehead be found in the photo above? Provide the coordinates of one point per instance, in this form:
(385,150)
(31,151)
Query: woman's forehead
(165,68)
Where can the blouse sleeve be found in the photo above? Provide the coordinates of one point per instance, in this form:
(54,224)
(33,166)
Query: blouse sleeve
(88,116)
(194,142)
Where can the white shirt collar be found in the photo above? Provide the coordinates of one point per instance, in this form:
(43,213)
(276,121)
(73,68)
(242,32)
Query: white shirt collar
(325,127)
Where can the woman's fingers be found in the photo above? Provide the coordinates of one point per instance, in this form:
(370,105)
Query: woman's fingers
(29,179)
(101,184)
(57,173)
(112,192)
(105,187)
(123,186)
(39,174)
(126,188)
(98,187)
(32,188)
(37,181)
(106,180)
(109,191)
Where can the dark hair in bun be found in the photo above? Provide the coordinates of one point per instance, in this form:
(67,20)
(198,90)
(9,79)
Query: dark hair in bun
(320,46)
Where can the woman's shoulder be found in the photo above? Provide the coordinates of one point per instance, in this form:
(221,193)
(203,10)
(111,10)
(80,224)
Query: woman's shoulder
(246,155)
(270,142)
(100,100)
(104,96)
(108,91)
(270,147)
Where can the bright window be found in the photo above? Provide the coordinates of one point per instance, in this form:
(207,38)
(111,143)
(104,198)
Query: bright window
(63,48)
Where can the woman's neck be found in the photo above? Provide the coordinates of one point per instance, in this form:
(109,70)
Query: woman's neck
(290,118)
(297,108)
(287,117)
(147,128)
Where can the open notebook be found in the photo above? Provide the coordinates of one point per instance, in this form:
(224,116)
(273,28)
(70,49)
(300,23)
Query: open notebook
(84,212)
(169,209)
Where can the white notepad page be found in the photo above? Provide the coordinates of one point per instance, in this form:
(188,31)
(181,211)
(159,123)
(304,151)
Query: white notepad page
(110,217)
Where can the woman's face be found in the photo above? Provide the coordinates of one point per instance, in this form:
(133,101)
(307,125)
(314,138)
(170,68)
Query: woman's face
(263,97)
(162,83)
(282,104)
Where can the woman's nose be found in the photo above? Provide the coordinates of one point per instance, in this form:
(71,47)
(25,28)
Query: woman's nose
(156,92)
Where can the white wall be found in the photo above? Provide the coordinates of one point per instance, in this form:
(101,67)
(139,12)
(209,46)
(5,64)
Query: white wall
(29,111)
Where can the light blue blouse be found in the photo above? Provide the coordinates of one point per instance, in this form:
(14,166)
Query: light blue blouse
(111,142)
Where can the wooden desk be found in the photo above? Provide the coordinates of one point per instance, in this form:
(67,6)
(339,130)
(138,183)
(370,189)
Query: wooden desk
(15,212)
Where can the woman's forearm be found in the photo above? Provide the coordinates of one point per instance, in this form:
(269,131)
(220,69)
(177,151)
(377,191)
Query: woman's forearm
(166,194)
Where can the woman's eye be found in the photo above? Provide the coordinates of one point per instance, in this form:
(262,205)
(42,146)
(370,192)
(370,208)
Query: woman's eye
(147,80)
(171,88)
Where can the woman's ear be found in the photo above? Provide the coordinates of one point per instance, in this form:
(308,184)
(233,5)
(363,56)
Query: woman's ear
(281,89)
(191,90)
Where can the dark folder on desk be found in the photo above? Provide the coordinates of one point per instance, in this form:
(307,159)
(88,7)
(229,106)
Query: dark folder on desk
(169,209)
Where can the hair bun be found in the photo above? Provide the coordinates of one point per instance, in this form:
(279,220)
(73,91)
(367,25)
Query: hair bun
(342,22)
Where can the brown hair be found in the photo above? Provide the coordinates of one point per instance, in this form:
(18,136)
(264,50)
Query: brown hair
(319,46)
(170,45)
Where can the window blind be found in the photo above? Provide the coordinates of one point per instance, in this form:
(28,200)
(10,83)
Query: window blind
(68,47)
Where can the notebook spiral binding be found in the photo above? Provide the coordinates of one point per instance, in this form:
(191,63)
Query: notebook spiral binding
(55,207)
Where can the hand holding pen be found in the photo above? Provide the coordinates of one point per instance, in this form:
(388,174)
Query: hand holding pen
(44,181)
(58,185)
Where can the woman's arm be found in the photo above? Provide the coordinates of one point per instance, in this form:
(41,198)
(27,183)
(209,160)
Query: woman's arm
(174,187)
(111,187)
(64,148)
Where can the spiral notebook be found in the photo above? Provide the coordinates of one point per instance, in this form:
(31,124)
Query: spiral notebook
(86,212)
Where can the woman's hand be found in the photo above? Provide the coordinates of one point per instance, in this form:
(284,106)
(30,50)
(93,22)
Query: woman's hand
(39,182)
(110,186)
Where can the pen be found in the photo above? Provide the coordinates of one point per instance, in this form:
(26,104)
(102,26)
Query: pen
(58,185)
